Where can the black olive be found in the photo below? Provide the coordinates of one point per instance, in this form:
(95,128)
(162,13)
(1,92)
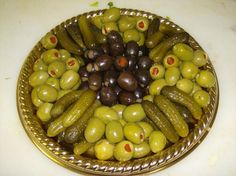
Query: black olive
(126,98)
(139,93)
(116,49)
(93,53)
(83,73)
(143,51)
(110,78)
(114,37)
(132,49)
(103,62)
(117,89)
(105,48)
(132,63)
(143,77)
(121,62)
(144,62)
(108,96)
(84,85)
(95,81)
(127,81)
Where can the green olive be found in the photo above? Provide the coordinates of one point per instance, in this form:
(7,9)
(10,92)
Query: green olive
(47,93)
(94,130)
(199,58)
(172,75)
(97,21)
(126,22)
(81,147)
(43,112)
(123,151)
(38,78)
(156,86)
(108,27)
(171,60)
(56,69)
(114,131)
(134,133)
(185,85)
(72,64)
(142,39)
(147,128)
(111,15)
(69,79)
(157,71)
(119,108)
(34,97)
(141,150)
(39,65)
(142,24)
(188,69)
(64,54)
(157,141)
(122,122)
(50,56)
(77,85)
(196,87)
(131,34)
(134,113)
(54,82)
(103,149)
(49,41)
(106,114)
(183,51)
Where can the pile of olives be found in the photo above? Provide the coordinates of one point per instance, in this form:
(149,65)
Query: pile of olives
(125,60)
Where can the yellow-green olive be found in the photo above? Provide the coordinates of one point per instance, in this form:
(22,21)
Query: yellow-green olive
(134,113)
(47,93)
(69,79)
(34,97)
(141,150)
(40,65)
(43,112)
(147,128)
(50,56)
(54,82)
(103,149)
(157,141)
(38,78)
(106,114)
(114,131)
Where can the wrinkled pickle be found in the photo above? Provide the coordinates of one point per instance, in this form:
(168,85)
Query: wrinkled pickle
(153,27)
(87,33)
(154,39)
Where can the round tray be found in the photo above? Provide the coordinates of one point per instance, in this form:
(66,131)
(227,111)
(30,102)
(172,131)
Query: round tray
(82,164)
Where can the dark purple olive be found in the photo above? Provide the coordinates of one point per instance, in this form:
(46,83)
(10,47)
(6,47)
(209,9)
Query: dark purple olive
(93,53)
(103,62)
(127,81)
(105,48)
(143,51)
(95,81)
(143,77)
(117,89)
(132,63)
(132,49)
(83,73)
(121,62)
(116,49)
(139,93)
(108,96)
(144,62)
(84,85)
(114,37)
(126,98)
(110,78)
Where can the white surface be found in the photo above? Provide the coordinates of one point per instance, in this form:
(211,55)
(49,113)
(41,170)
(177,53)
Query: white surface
(211,22)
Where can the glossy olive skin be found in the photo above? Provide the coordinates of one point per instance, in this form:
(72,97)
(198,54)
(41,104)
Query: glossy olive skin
(126,22)
(141,150)
(108,27)
(123,151)
(114,37)
(119,108)
(126,98)
(50,56)
(39,65)
(121,63)
(94,130)
(108,96)
(143,77)
(134,133)
(34,97)
(64,54)
(139,93)
(105,48)
(114,131)
(103,62)
(38,78)
(112,14)
(132,49)
(157,141)
(110,78)
(134,113)
(69,79)
(49,41)
(143,51)
(127,81)
(106,114)
(132,63)
(144,62)
(147,128)
(83,73)
(47,93)
(54,82)
(72,64)
(103,149)
(56,69)
(116,49)
(43,113)
(131,34)
(95,81)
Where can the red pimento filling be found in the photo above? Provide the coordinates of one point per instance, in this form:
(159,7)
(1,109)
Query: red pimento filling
(122,62)
(71,63)
(56,54)
(170,60)
(127,148)
(155,71)
(53,39)
(141,24)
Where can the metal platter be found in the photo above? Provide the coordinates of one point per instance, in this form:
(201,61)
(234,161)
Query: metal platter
(81,164)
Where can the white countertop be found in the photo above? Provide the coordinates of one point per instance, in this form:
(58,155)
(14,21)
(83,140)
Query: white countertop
(211,22)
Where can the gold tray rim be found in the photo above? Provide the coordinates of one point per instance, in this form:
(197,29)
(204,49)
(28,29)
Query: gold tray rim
(124,168)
